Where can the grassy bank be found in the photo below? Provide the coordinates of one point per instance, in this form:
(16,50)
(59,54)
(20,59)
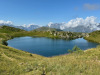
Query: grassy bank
(94,36)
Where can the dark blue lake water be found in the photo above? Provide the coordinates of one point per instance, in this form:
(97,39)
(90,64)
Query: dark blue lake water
(48,47)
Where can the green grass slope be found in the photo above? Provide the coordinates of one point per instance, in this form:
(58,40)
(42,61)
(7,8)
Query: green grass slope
(7,32)
(8,29)
(94,36)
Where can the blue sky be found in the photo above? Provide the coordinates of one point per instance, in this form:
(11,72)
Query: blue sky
(42,12)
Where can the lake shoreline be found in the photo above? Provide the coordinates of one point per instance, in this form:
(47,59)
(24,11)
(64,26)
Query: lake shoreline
(55,47)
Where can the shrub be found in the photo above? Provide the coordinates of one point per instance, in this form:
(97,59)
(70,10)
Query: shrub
(30,54)
(4,42)
(75,49)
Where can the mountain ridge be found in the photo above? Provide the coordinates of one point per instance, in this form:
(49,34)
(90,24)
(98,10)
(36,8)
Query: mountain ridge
(47,29)
(60,26)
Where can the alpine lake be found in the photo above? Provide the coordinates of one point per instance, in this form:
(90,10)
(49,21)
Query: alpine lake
(48,47)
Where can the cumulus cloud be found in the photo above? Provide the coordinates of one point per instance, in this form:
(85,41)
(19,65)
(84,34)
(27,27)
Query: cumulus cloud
(87,22)
(50,23)
(2,22)
(91,6)
(29,25)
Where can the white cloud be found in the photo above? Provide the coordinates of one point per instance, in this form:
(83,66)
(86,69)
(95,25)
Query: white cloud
(24,25)
(88,21)
(2,22)
(50,23)
(91,6)
(29,25)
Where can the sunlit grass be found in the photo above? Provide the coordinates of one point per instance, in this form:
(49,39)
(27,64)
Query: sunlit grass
(94,37)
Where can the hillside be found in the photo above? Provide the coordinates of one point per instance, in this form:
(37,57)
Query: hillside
(6,32)
(8,29)
(47,29)
(94,36)
(18,62)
